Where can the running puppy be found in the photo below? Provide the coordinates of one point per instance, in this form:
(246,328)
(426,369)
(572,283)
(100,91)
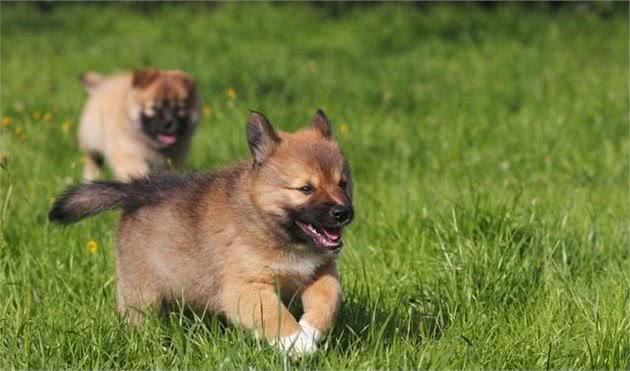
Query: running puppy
(139,121)
(230,241)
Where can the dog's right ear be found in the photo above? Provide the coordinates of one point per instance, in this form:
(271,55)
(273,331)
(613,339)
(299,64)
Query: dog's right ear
(261,137)
(142,78)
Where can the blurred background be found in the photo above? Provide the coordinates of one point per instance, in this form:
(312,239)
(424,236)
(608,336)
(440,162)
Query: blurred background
(489,143)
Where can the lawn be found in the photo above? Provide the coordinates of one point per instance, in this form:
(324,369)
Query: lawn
(490,154)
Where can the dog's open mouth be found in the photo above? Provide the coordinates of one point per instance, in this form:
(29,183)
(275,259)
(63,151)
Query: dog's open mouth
(328,238)
(167,139)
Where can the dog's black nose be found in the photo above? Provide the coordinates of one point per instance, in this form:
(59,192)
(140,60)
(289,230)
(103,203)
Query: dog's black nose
(341,213)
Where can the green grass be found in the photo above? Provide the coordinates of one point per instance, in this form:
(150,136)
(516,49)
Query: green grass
(490,153)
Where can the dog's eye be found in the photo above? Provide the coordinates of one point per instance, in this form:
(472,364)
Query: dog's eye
(307,189)
(343,184)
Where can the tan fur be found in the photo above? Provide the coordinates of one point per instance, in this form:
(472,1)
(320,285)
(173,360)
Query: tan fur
(216,248)
(242,241)
(111,128)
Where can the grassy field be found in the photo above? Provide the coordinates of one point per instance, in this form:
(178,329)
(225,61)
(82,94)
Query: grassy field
(490,152)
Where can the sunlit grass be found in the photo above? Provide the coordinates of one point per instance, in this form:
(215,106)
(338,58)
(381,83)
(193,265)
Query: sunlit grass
(489,149)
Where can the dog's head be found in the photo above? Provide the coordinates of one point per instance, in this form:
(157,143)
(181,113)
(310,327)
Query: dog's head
(302,182)
(165,103)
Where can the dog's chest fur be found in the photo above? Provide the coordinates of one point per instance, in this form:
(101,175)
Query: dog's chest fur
(299,263)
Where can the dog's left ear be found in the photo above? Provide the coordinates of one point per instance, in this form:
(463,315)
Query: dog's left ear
(143,77)
(321,123)
(261,137)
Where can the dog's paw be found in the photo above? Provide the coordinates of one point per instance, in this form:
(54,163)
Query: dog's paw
(297,345)
(311,331)
(301,343)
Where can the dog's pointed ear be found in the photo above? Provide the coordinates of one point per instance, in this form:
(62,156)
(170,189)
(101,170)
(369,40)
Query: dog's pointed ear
(261,137)
(321,123)
(143,77)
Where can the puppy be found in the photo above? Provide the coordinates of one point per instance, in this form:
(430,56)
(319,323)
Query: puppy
(238,240)
(139,122)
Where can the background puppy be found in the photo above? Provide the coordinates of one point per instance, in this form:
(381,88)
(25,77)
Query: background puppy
(237,240)
(139,122)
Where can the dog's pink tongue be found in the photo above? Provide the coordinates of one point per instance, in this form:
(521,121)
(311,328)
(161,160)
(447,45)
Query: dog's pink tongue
(167,139)
(332,234)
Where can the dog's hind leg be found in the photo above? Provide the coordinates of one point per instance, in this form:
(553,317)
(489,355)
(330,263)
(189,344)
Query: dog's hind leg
(132,302)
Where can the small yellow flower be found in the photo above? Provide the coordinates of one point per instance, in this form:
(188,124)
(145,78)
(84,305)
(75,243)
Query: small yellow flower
(207,110)
(18,130)
(344,128)
(92,246)
(37,116)
(47,116)
(66,125)
(6,121)
(231,93)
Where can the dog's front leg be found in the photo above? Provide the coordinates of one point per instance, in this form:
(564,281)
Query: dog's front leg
(321,300)
(259,308)
(128,166)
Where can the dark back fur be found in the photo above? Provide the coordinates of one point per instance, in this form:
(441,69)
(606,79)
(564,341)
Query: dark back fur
(83,200)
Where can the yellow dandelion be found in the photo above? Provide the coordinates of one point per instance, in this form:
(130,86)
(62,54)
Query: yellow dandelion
(231,93)
(23,137)
(47,116)
(207,110)
(92,246)
(37,116)
(66,125)
(18,130)
(6,121)
(344,128)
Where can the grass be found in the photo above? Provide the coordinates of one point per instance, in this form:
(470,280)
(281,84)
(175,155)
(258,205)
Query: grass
(490,153)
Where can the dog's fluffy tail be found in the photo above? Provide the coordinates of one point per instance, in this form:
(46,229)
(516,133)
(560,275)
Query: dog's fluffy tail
(83,200)
(87,199)
(91,80)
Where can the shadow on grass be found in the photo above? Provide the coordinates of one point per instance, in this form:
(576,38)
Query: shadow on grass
(364,321)
(417,316)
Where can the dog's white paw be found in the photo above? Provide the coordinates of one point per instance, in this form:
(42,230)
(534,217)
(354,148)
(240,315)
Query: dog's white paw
(301,343)
(310,330)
